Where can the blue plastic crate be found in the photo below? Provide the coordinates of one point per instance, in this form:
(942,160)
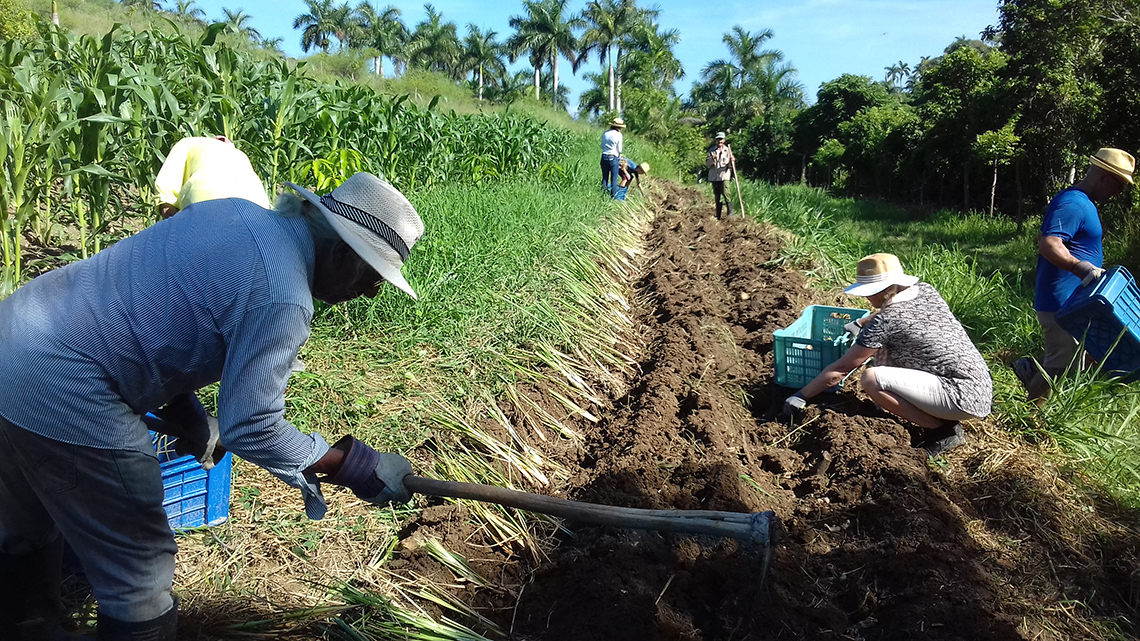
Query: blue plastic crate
(194,497)
(1100,313)
(813,342)
(620,192)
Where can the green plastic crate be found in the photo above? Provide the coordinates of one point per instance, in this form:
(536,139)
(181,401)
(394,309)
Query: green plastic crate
(813,342)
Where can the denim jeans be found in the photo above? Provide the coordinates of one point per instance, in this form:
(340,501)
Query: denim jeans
(107,504)
(610,175)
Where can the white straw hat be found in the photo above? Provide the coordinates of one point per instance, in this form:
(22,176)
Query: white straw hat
(878,272)
(375,219)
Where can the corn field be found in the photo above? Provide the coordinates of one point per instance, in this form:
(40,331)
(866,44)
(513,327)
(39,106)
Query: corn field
(87,122)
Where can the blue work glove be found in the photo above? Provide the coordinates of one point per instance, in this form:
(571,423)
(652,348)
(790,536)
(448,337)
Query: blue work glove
(196,430)
(1088,272)
(376,477)
(794,404)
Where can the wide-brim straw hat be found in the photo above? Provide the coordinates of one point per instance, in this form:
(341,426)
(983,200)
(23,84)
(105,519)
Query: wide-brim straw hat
(644,167)
(376,221)
(878,272)
(617,123)
(1115,161)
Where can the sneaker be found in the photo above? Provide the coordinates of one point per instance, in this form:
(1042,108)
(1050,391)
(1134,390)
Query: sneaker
(1025,369)
(941,439)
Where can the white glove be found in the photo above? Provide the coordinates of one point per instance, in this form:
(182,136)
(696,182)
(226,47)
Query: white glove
(794,404)
(1088,272)
(853,328)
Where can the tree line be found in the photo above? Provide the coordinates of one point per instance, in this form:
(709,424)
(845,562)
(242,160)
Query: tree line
(997,123)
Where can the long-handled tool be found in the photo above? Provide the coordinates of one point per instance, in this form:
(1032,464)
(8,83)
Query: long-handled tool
(754,528)
(736,180)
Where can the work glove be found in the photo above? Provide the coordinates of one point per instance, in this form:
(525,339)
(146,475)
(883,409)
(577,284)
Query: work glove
(376,477)
(794,404)
(196,430)
(853,328)
(1088,272)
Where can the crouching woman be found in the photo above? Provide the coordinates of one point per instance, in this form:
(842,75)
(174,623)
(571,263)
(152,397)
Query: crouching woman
(926,369)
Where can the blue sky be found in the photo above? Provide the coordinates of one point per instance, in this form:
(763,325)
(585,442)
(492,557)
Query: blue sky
(821,38)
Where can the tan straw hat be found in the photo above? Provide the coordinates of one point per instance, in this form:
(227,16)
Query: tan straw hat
(376,221)
(617,123)
(1115,161)
(644,167)
(878,272)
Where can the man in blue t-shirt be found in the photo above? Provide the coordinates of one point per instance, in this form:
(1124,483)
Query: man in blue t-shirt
(1070,254)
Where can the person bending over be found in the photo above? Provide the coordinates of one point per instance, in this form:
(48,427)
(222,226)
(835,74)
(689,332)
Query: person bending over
(220,294)
(201,169)
(632,172)
(926,369)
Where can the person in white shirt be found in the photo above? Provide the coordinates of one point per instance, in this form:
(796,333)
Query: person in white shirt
(611,153)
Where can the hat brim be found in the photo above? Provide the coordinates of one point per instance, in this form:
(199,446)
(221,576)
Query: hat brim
(381,257)
(870,289)
(1113,170)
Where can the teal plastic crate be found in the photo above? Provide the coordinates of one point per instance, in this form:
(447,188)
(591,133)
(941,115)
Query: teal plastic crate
(620,193)
(813,342)
(1101,313)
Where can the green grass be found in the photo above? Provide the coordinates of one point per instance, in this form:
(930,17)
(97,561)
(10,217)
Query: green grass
(983,267)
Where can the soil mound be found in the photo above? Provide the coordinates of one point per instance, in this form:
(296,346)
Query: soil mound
(875,543)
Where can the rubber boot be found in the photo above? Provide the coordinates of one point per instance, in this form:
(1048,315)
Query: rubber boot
(30,606)
(162,628)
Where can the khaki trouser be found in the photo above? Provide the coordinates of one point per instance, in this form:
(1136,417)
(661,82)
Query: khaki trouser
(1060,350)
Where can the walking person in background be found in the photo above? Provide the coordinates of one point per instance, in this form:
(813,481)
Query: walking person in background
(221,294)
(1070,254)
(719,162)
(611,153)
(200,169)
(926,369)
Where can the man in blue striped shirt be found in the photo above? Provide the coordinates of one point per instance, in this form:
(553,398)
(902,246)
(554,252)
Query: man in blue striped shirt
(220,293)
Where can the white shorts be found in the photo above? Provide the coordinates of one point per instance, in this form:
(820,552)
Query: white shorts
(921,389)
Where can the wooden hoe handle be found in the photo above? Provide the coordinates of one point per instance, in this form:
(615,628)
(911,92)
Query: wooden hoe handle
(754,528)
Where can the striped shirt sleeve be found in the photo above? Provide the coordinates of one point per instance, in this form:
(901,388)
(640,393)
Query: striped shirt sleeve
(251,400)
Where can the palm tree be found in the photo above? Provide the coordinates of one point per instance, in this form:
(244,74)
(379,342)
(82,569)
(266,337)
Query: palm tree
(506,87)
(145,5)
(593,100)
(529,39)
(482,52)
(434,44)
(746,57)
(318,25)
(628,20)
(548,34)
(272,44)
(601,35)
(238,22)
(190,10)
(345,27)
(895,73)
(383,31)
(651,57)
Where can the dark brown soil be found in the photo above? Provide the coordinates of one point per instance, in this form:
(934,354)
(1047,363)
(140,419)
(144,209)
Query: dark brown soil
(876,542)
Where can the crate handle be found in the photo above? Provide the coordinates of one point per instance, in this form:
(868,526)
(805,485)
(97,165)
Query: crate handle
(803,346)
